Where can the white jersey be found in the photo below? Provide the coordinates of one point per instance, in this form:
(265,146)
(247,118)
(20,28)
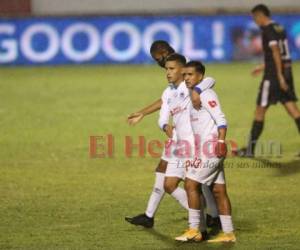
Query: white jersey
(206,121)
(176,102)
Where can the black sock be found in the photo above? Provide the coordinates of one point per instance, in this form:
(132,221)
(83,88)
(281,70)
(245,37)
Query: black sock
(256,130)
(297,120)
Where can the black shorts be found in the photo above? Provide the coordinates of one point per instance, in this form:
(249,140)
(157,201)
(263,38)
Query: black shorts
(270,92)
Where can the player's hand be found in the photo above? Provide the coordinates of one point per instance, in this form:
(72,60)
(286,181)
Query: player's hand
(134,118)
(169,131)
(221,149)
(257,70)
(282,83)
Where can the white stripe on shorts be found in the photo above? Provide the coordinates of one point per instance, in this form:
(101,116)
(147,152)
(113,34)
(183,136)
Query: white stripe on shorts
(265,93)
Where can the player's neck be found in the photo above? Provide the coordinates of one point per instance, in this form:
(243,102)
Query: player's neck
(177,83)
(200,80)
(267,22)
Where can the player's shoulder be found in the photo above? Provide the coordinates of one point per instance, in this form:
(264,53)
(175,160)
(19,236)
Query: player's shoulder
(166,92)
(208,80)
(274,28)
(208,94)
(278,28)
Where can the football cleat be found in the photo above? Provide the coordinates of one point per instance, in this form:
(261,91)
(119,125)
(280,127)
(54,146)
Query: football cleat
(223,237)
(245,152)
(191,234)
(141,220)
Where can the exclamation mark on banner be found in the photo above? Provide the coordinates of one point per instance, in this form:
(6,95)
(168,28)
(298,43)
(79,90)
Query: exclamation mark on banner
(218,39)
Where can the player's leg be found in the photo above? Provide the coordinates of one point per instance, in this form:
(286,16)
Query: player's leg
(174,174)
(211,171)
(178,193)
(224,208)
(293,110)
(256,131)
(158,189)
(147,219)
(196,215)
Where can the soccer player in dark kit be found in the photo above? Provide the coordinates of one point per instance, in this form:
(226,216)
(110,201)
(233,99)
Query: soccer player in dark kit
(277,83)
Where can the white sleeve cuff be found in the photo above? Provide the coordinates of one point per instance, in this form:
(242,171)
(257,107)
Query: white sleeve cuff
(273,42)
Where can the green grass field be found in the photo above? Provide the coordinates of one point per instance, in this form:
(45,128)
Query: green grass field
(53,196)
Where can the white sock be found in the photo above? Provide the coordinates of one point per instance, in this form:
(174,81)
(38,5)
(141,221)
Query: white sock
(180,195)
(156,195)
(226,223)
(210,201)
(194,218)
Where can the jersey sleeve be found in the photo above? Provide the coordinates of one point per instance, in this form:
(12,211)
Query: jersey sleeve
(271,36)
(206,83)
(210,101)
(164,113)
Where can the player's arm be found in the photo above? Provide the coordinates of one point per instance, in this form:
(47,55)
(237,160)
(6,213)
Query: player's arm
(278,63)
(136,117)
(206,83)
(210,102)
(164,116)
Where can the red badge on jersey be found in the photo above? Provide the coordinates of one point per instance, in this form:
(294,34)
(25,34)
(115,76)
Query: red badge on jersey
(212,103)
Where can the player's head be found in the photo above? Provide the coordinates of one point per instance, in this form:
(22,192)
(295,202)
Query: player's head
(174,68)
(193,73)
(160,50)
(261,14)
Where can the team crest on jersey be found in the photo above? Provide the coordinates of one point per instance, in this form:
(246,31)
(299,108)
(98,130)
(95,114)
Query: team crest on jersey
(181,95)
(278,28)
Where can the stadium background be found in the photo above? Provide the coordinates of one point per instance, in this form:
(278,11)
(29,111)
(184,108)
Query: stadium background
(54,196)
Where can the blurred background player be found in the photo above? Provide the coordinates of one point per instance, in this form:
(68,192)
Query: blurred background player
(159,51)
(277,83)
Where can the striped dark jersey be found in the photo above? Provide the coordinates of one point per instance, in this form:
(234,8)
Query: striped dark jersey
(274,34)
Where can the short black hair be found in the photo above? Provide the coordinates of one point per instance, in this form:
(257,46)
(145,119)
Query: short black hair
(176,57)
(161,45)
(199,67)
(261,8)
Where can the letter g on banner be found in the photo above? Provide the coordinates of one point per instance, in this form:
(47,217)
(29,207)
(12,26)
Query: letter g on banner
(8,45)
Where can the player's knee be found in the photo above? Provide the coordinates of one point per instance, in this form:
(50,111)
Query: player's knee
(292,109)
(169,187)
(162,166)
(190,186)
(260,113)
(219,191)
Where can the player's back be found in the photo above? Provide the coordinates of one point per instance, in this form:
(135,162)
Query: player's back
(274,33)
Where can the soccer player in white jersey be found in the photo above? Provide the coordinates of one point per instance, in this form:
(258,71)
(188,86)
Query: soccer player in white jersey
(159,51)
(209,127)
(176,103)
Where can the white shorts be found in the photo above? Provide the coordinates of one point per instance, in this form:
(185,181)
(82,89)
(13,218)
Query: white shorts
(176,161)
(176,168)
(207,171)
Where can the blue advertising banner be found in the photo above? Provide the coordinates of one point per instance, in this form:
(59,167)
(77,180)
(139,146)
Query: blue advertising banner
(116,40)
